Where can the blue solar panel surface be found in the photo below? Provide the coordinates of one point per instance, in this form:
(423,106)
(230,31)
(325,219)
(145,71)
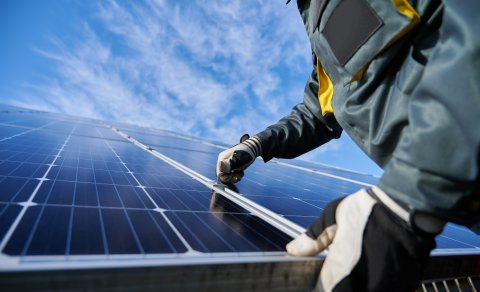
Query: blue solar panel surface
(73,187)
(295,189)
(78,188)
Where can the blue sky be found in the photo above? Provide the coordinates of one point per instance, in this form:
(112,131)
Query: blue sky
(213,69)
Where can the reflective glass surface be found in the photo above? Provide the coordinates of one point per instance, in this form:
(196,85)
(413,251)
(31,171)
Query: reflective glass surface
(75,187)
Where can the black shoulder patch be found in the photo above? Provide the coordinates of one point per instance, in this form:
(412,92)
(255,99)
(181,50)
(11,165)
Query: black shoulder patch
(349,26)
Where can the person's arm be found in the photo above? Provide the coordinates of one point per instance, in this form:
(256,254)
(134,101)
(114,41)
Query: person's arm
(435,168)
(375,241)
(302,130)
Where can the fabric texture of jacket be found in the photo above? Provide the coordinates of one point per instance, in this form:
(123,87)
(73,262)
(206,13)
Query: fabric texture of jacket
(403,80)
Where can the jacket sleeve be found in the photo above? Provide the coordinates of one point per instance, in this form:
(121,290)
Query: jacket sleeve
(435,167)
(302,130)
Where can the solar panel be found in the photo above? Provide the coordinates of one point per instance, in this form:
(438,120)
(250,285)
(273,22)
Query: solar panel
(297,190)
(80,193)
(69,189)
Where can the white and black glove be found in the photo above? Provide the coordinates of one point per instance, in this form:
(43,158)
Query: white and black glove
(374,244)
(232,162)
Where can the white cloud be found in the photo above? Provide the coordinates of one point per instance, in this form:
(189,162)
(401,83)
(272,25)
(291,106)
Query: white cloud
(211,69)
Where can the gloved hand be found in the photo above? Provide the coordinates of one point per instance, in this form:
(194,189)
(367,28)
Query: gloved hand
(232,162)
(374,244)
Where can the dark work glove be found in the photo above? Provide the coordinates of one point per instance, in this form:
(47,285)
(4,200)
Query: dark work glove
(372,244)
(232,162)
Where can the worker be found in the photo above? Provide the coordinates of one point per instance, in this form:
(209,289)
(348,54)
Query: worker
(402,78)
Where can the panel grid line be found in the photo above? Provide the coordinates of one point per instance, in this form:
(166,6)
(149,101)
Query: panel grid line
(25,132)
(214,232)
(15,223)
(69,232)
(258,233)
(132,229)
(131,208)
(102,225)
(273,218)
(325,174)
(234,230)
(190,232)
(180,236)
(42,210)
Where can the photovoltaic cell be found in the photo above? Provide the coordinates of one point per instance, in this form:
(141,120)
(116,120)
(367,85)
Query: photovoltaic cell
(16,189)
(87,237)
(332,170)
(211,233)
(49,233)
(8,213)
(6,132)
(22,233)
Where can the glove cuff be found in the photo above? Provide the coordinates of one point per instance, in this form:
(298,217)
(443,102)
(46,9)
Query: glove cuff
(255,145)
(401,211)
(418,220)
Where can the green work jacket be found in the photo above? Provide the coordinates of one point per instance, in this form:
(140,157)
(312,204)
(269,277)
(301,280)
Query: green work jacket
(403,80)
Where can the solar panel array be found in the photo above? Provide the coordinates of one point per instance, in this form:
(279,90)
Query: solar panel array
(80,192)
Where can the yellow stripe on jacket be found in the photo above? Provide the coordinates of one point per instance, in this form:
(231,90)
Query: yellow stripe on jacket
(325,91)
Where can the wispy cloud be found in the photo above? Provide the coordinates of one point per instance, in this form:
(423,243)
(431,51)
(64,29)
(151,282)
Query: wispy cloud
(209,69)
